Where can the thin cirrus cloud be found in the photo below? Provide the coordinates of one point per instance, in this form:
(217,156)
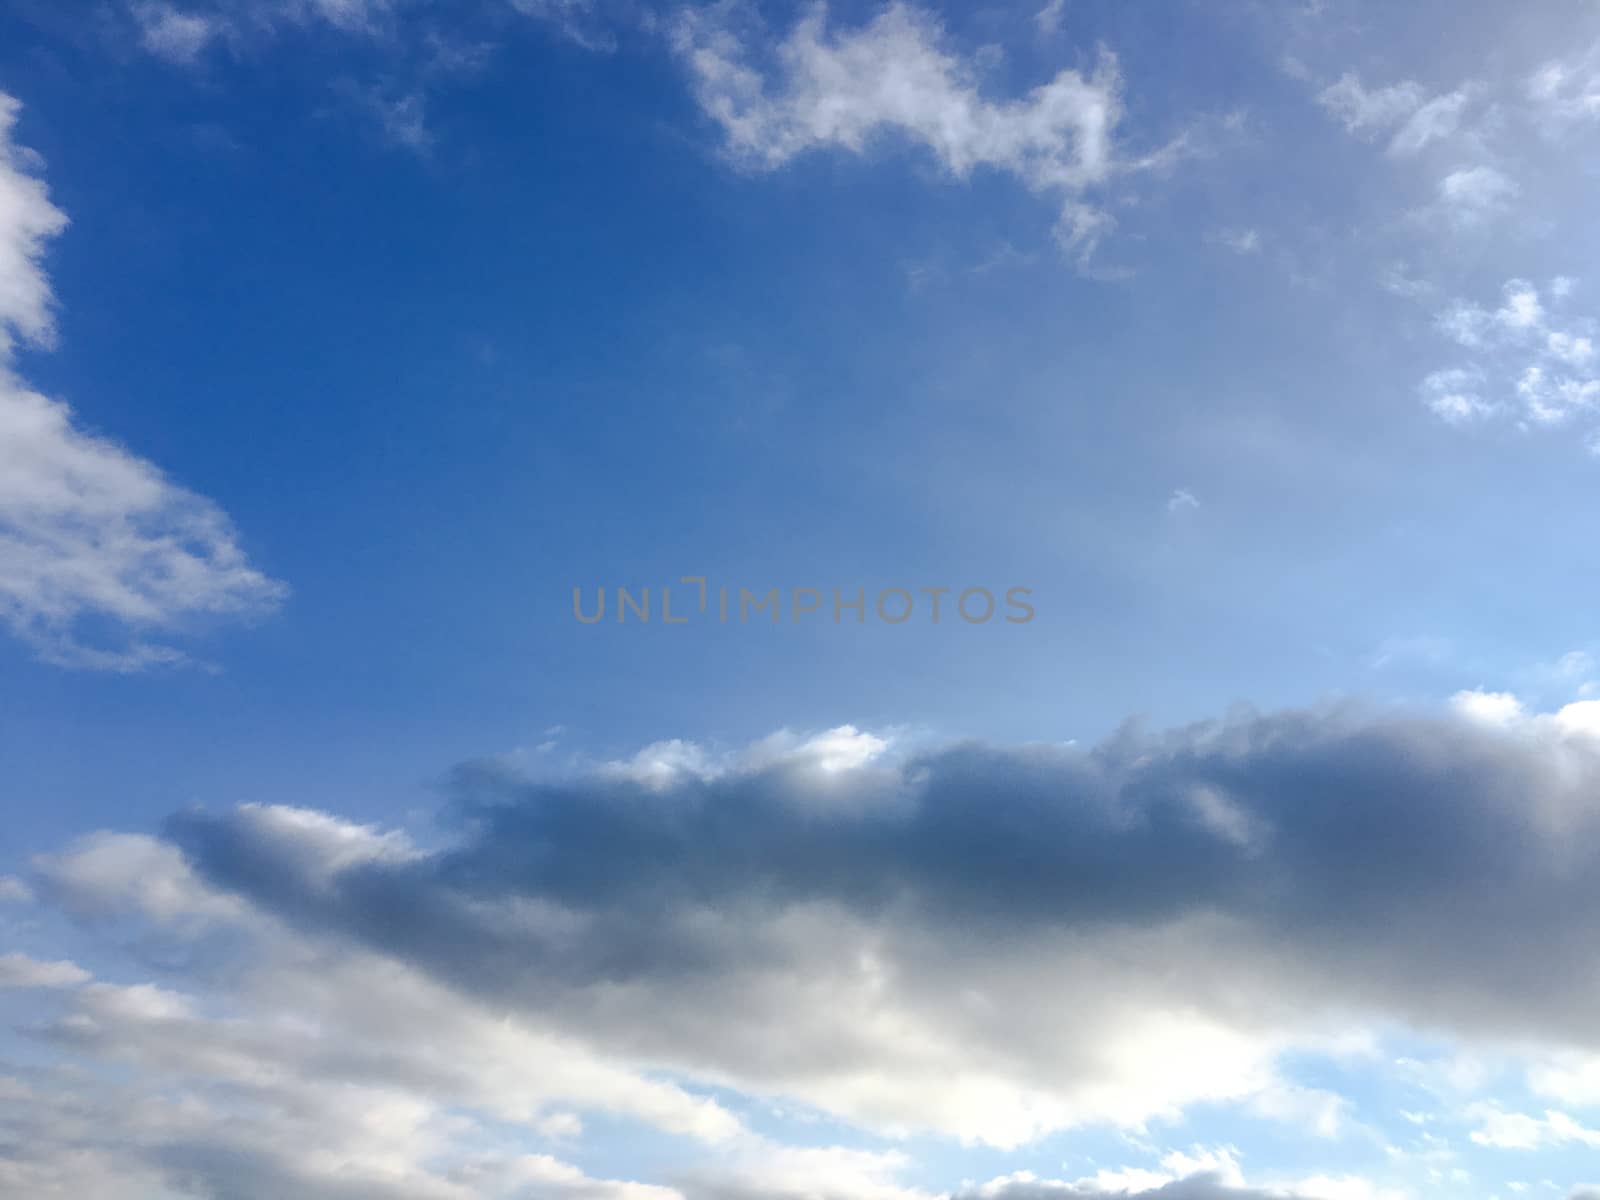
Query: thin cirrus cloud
(1462,121)
(1466,197)
(1410,117)
(175,35)
(90,533)
(181,33)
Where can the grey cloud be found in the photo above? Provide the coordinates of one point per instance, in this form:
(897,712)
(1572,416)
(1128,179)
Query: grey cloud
(1195,1187)
(1430,827)
(1231,886)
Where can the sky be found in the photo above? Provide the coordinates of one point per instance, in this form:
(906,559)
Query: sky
(614,600)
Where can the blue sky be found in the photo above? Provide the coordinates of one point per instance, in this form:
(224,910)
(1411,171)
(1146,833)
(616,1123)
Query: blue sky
(341,340)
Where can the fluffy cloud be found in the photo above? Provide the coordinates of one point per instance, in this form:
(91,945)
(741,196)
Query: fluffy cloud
(89,532)
(1566,91)
(896,77)
(27,221)
(1455,395)
(1532,359)
(1519,1131)
(20,971)
(1573,1079)
(1471,196)
(293,1066)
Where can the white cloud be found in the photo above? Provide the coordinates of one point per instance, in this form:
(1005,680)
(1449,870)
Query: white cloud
(1542,359)
(1551,401)
(1492,708)
(542,1175)
(1048,18)
(400,116)
(180,31)
(1577,722)
(1323,1113)
(1471,196)
(173,34)
(20,971)
(1344,1187)
(1182,500)
(350,14)
(663,764)
(844,748)
(90,532)
(895,76)
(27,221)
(1519,1131)
(1520,313)
(1434,121)
(1369,112)
(1404,110)
(1455,395)
(291,1066)
(1240,241)
(1418,648)
(1571,1079)
(1575,350)
(1566,91)
(106,873)
(1220,1164)
(764,1170)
